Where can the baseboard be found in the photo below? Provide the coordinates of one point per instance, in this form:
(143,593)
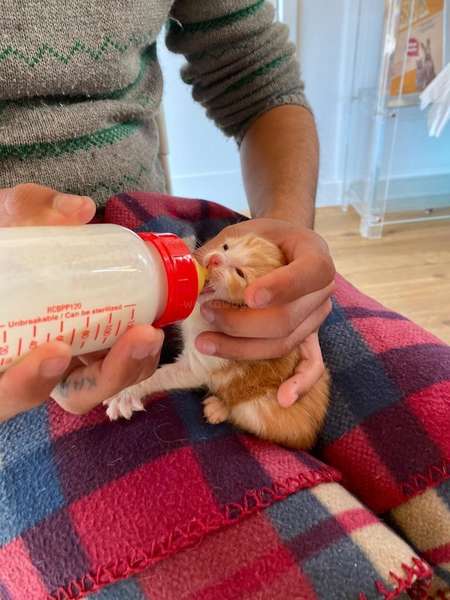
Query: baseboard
(329,193)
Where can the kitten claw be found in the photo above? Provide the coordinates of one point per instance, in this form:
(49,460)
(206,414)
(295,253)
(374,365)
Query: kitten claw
(215,410)
(123,405)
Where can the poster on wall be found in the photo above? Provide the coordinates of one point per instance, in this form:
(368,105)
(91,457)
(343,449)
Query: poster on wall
(419,50)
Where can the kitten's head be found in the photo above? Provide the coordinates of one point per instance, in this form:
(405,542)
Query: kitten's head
(237,262)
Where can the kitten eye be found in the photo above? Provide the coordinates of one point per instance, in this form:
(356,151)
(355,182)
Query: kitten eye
(225,247)
(240,273)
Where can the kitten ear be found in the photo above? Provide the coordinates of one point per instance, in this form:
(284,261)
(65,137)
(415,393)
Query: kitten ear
(190,241)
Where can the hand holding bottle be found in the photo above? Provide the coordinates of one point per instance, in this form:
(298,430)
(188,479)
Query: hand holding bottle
(89,380)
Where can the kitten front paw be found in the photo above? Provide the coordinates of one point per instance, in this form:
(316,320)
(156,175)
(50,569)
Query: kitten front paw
(215,410)
(123,405)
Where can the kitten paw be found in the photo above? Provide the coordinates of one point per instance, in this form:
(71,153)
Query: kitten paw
(123,405)
(215,410)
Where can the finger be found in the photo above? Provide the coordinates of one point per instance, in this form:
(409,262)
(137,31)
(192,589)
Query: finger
(308,373)
(133,358)
(30,204)
(30,382)
(89,359)
(276,321)
(219,344)
(286,284)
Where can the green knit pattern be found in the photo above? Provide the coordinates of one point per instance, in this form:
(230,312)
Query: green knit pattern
(129,182)
(147,57)
(211,24)
(99,139)
(274,64)
(108,44)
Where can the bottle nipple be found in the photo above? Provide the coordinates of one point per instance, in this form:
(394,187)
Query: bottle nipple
(202,274)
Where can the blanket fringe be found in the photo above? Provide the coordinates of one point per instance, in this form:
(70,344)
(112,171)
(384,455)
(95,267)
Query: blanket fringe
(430,478)
(187,535)
(419,573)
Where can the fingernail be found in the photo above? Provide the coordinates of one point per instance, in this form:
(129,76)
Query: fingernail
(206,347)
(262,298)
(208,314)
(53,367)
(68,205)
(10,203)
(141,351)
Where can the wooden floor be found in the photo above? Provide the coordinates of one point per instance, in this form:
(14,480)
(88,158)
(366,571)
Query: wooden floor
(408,270)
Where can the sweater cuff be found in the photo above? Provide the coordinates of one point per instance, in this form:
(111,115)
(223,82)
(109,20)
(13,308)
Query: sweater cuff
(285,100)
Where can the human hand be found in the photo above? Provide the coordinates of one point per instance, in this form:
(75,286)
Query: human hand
(92,379)
(284,307)
(31,204)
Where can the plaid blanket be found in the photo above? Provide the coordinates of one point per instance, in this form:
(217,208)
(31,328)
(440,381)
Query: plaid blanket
(166,506)
(318,543)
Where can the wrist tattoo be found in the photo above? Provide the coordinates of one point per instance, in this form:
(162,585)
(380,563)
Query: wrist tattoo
(76,384)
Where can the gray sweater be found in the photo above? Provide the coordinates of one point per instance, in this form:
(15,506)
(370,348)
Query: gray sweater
(80,84)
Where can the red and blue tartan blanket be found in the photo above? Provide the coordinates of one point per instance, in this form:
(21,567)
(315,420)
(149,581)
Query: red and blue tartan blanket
(167,507)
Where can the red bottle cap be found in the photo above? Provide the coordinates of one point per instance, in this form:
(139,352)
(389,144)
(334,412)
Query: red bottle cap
(182,277)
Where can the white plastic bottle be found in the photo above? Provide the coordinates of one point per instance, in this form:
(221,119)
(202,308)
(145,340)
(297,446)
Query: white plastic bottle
(87,285)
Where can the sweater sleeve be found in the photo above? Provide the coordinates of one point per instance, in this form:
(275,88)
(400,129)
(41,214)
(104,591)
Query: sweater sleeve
(240,63)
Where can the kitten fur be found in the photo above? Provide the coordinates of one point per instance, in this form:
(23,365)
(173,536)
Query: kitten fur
(242,392)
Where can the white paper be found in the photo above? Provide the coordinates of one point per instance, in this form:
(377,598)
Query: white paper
(437,97)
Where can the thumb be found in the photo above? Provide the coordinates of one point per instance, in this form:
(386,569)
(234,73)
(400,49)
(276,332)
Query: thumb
(299,278)
(278,287)
(31,205)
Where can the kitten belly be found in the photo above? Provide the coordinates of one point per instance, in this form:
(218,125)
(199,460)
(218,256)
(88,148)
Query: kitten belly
(201,364)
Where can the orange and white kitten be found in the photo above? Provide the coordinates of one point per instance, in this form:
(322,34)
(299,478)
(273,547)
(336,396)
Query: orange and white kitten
(243,392)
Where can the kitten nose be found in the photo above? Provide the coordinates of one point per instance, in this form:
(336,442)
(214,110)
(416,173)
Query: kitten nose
(215,260)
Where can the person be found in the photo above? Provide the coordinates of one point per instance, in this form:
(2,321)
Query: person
(81,87)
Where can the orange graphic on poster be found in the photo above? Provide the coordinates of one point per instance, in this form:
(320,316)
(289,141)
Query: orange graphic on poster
(419,51)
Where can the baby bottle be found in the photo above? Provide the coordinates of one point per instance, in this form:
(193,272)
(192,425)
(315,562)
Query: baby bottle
(87,285)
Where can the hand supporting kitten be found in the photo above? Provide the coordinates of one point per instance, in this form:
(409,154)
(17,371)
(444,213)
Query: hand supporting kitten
(242,391)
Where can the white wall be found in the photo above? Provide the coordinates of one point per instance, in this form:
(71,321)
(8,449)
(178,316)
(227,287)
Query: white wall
(203,163)
(325,32)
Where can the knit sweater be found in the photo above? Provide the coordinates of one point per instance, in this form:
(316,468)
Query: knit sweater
(80,84)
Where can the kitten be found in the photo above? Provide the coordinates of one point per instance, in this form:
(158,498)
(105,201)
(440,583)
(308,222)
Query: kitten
(243,392)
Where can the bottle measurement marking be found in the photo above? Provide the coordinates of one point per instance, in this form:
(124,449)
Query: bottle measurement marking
(103,331)
(106,333)
(119,324)
(133,311)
